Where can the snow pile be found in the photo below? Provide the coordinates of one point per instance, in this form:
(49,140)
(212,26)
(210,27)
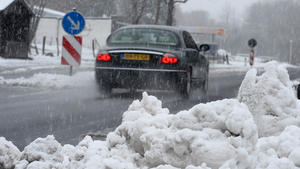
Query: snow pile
(48,80)
(42,153)
(271,98)
(281,151)
(208,133)
(9,154)
(221,134)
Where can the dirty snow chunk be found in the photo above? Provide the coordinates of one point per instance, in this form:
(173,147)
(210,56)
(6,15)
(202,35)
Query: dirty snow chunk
(9,153)
(208,133)
(49,80)
(43,152)
(96,155)
(119,157)
(203,166)
(165,167)
(271,99)
(280,150)
(295,156)
(21,164)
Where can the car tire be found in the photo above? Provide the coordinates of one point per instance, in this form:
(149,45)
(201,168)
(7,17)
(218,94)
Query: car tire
(185,87)
(204,89)
(103,86)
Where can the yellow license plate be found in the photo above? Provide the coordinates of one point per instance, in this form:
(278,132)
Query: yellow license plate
(129,56)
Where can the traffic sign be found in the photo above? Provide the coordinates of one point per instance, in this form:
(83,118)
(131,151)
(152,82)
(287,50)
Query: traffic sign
(73,23)
(71,51)
(252,43)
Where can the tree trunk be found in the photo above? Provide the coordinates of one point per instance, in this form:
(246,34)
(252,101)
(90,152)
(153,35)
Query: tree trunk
(36,19)
(138,11)
(171,6)
(157,14)
(134,11)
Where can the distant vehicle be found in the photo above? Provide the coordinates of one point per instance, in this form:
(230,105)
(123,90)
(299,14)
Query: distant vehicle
(212,53)
(151,57)
(213,49)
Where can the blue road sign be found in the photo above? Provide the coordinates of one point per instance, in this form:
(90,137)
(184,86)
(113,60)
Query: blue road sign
(73,23)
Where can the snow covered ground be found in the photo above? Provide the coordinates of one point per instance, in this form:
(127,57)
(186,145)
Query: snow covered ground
(40,61)
(259,129)
(44,79)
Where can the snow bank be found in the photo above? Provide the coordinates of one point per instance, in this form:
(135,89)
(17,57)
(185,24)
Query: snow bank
(282,152)
(9,154)
(48,80)
(221,134)
(213,133)
(38,61)
(271,98)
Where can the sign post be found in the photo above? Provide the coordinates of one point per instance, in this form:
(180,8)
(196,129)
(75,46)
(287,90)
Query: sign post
(73,23)
(252,43)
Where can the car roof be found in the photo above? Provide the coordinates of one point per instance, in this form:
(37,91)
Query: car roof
(163,27)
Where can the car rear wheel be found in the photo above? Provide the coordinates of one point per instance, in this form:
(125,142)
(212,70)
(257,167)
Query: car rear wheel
(103,86)
(185,87)
(204,89)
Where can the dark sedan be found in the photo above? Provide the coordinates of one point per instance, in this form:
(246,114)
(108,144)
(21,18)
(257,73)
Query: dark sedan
(151,57)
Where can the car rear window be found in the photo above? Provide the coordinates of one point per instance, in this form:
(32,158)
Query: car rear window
(144,36)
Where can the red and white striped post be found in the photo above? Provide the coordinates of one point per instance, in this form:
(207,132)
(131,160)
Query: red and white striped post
(251,60)
(252,43)
(71,51)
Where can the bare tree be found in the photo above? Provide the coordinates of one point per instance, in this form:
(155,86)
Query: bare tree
(171,7)
(157,13)
(38,8)
(138,10)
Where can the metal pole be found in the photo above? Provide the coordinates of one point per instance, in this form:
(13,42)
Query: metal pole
(44,44)
(213,38)
(71,70)
(57,35)
(291,51)
(71,67)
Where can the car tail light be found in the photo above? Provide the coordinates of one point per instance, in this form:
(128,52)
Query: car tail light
(104,57)
(169,59)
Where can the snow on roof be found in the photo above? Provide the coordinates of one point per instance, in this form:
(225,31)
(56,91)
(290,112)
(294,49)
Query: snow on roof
(53,12)
(50,12)
(5,3)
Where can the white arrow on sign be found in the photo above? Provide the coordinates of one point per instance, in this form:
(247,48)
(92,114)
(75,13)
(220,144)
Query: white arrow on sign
(74,25)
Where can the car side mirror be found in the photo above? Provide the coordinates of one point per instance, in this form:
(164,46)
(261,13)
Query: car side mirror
(204,48)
